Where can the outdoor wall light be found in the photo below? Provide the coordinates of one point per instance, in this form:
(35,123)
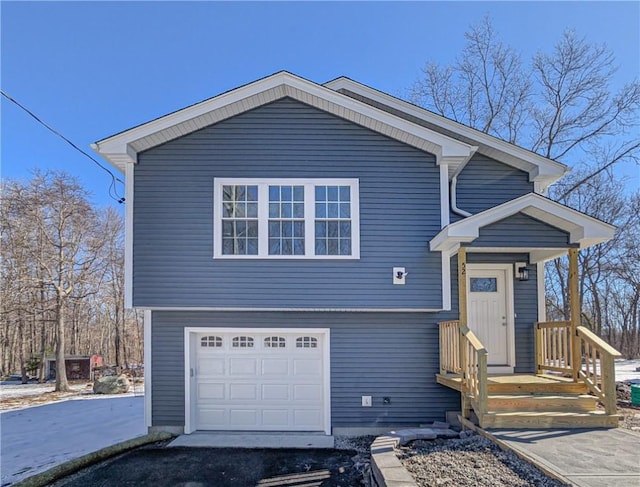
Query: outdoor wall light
(523,273)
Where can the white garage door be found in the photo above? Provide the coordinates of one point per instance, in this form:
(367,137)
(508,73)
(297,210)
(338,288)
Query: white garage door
(270,381)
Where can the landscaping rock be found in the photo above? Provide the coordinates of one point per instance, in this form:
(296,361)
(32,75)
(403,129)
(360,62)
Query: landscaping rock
(111,385)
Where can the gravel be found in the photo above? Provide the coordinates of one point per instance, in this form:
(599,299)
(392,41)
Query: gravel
(471,461)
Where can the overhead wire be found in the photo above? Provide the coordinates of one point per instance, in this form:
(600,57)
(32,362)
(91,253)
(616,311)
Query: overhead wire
(113,191)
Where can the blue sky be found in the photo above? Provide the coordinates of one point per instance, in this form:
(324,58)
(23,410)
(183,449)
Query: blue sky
(92,69)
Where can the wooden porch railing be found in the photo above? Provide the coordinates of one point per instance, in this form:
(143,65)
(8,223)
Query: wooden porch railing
(450,347)
(474,370)
(596,360)
(553,347)
(462,353)
(597,367)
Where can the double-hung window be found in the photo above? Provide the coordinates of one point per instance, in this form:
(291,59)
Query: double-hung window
(286,218)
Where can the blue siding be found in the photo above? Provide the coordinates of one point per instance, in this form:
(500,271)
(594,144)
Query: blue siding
(485,183)
(379,354)
(173,215)
(521,231)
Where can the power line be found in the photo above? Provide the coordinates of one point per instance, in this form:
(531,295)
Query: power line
(113,192)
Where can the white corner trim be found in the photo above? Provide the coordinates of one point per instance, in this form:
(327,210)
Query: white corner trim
(541,170)
(189,352)
(542,301)
(128,237)
(583,229)
(446,281)
(188,420)
(147,316)
(444,195)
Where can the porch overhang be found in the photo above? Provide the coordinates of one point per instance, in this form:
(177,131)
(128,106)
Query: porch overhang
(583,231)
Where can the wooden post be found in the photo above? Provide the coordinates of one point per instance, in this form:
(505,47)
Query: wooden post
(574,310)
(607,370)
(462,308)
(462,286)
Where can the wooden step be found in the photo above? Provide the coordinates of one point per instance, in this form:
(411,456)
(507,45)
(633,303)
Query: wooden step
(542,402)
(538,388)
(548,419)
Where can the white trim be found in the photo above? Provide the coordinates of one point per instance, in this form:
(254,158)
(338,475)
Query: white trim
(446,281)
(583,229)
(541,170)
(297,310)
(309,215)
(188,420)
(444,195)
(123,147)
(542,305)
(147,367)
(128,237)
(510,305)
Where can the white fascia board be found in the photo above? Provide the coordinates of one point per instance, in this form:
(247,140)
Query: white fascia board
(542,170)
(118,150)
(583,229)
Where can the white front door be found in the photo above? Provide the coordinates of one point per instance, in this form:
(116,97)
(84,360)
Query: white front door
(266,380)
(490,310)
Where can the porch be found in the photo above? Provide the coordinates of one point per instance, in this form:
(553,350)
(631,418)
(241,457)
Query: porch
(572,384)
(568,379)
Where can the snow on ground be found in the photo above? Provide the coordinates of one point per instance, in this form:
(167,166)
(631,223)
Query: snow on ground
(626,371)
(35,439)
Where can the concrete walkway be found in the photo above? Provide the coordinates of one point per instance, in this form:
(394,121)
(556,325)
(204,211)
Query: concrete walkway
(587,458)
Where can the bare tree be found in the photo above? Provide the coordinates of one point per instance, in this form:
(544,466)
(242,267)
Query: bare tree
(62,278)
(58,209)
(563,107)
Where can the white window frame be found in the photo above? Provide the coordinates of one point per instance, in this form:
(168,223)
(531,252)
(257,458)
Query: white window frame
(309,216)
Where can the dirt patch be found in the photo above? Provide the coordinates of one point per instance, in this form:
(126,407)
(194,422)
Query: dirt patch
(159,466)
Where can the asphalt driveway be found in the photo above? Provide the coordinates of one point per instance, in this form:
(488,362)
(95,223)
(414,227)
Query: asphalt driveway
(157,466)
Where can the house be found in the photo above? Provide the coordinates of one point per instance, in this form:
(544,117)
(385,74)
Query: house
(78,367)
(329,258)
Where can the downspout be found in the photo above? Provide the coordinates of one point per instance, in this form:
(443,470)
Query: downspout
(454,183)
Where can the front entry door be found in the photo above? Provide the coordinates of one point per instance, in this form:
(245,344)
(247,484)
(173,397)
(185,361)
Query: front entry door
(489,310)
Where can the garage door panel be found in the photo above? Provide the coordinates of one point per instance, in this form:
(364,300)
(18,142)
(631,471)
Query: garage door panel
(211,366)
(213,418)
(275,417)
(243,417)
(277,392)
(307,367)
(274,385)
(306,417)
(278,367)
(242,392)
(307,393)
(210,391)
(242,366)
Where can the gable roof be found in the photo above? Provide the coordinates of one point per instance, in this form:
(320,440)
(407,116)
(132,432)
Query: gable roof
(583,230)
(541,169)
(122,148)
